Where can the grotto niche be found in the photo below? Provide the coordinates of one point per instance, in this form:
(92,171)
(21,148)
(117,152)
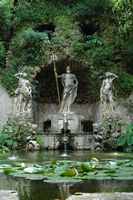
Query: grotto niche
(46,98)
(52,123)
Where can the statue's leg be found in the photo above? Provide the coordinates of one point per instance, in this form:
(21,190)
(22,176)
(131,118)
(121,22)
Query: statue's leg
(69,102)
(16,102)
(20,103)
(103,103)
(111,101)
(25,105)
(63,102)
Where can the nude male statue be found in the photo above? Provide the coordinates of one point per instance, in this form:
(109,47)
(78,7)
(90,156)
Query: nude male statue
(70,84)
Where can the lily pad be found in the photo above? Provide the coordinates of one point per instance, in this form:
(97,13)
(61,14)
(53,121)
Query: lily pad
(70,172)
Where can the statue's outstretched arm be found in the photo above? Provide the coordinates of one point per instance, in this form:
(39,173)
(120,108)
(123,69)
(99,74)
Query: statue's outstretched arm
(58,76)
(103,85)
(18,75)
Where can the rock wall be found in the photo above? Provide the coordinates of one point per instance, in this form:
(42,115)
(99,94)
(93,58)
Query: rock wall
(6,106)
(41,111)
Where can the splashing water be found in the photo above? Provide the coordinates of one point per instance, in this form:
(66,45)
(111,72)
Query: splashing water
(13,157)
(65,151)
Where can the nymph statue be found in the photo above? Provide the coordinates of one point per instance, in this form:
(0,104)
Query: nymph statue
(70,84)
(23,92)
(106,93)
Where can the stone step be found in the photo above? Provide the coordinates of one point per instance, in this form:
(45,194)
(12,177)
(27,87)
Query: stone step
(8,195)
(102,196)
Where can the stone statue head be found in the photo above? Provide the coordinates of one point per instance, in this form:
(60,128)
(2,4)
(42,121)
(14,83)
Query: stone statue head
(108,74)
(68,69)
(24,74)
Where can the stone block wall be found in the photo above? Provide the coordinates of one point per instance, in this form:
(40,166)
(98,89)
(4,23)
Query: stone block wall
(79,141)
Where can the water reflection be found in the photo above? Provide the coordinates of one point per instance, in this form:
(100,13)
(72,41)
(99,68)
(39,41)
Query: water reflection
(42,156)
(40,189)
(73,155)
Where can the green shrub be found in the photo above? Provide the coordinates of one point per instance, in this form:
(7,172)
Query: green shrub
(29,47)
(2,54)
(17,129)
(106,48)
(126,139)
(5,142)
(5,19)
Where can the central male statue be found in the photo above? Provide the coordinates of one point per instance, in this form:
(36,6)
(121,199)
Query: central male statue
(70,84)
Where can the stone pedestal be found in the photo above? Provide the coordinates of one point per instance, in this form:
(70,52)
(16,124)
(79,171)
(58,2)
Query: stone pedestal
(52,141)
(74,122)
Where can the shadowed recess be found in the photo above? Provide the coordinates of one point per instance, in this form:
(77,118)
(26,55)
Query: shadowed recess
(46,86)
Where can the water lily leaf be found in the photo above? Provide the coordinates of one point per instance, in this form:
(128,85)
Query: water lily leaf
(53,162)
(50,171)
(8,170)
(30,170)
(110,171)
(5,166)
(33,170)
(86,168)
(70,172)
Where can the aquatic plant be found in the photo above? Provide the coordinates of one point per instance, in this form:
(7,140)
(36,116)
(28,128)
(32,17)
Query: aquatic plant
(70,170)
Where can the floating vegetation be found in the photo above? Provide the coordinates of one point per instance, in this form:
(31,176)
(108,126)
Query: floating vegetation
(58,170)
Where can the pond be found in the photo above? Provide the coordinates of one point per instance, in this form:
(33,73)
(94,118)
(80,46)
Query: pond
(49,175)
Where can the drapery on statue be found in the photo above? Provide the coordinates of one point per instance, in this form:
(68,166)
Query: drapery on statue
(70,84)
(23,91)
(106,94)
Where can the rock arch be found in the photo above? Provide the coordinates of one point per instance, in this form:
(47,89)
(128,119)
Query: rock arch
(45,96)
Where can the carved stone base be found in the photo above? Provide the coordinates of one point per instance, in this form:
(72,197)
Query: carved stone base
(74,122)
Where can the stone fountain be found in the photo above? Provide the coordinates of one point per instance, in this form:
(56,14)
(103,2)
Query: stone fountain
(84,119)
(65,123)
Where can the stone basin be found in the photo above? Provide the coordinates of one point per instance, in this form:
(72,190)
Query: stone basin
(102,196)
(8,195)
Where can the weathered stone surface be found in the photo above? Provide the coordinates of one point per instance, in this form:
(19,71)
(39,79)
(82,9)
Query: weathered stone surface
(8,195)
(102,196)
(74,122)
(92,112)
(44,110)
(77,140)
(6,106)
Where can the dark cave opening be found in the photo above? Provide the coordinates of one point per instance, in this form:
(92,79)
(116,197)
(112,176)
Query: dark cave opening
(45,27)
(88,29)
(46,91)
(48,28)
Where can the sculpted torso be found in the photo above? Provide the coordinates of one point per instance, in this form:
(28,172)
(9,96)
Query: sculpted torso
(69,79)
(24,84)
(107,84)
